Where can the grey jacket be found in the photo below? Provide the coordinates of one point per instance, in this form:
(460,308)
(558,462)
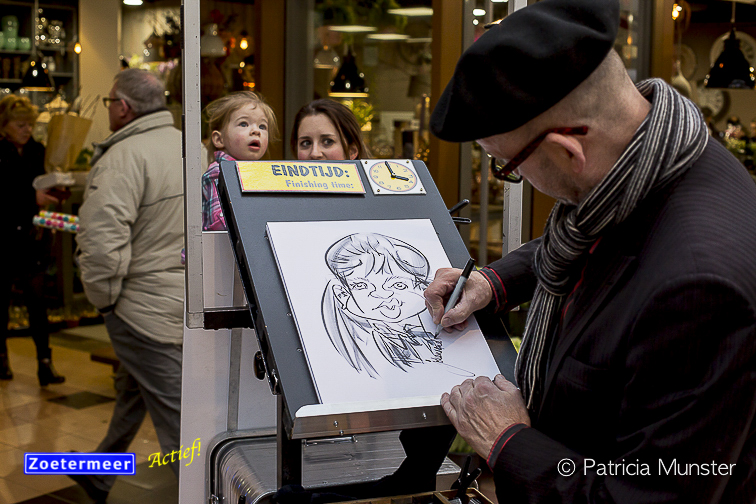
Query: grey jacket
(131,227)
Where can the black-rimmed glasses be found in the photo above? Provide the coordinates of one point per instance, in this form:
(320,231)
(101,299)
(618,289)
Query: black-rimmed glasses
(107,101)
(502,170)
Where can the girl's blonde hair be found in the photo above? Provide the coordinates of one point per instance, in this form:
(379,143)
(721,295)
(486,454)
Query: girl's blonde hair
(219,111)
(14,107)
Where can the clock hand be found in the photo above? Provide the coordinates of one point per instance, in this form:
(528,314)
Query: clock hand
(399,177)
(393,175)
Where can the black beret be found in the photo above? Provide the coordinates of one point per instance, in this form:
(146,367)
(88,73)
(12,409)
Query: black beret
(523,66)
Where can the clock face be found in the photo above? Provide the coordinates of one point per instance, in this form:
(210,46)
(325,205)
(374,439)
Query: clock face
(716,100)
(394,177)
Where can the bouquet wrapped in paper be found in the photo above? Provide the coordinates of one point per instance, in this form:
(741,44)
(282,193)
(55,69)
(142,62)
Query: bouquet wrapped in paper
(66,134)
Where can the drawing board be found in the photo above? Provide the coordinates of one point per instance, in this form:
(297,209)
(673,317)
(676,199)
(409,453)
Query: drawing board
(281,351)
(356,293)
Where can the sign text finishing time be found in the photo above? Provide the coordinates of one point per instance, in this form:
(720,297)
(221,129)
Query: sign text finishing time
(266,176)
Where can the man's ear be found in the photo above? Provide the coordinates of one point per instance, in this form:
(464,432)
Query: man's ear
(568,149)
(217,139)
(341,294)
(353,151)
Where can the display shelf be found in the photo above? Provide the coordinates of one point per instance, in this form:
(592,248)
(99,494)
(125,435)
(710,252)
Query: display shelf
(13,63)
(14,53)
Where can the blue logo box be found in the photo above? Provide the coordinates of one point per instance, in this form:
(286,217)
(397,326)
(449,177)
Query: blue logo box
(80,463)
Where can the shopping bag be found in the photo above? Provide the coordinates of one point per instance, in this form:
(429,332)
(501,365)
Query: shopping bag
(66,134)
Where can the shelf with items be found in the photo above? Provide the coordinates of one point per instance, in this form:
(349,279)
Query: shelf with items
(51,33)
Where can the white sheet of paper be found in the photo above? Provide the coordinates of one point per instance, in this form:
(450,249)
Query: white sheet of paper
(390,351)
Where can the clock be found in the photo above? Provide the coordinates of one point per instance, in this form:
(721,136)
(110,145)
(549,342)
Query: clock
(716,100)
(393,177)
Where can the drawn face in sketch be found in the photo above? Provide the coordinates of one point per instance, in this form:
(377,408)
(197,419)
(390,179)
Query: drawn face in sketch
(389,294)
(379,278)
(369,305)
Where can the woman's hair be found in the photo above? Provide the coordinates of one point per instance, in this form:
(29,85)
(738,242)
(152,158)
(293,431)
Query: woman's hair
(14,107)
(341,117)
(142,90)
(219,111)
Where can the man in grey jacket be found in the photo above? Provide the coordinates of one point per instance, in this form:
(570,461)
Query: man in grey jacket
(129,248)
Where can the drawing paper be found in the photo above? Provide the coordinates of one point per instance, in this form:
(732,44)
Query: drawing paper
(355,290)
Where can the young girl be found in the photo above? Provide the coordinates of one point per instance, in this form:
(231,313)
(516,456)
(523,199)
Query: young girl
(326,129)
(242,124)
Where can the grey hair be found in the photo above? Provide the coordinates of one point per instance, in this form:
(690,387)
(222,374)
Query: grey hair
(142,90)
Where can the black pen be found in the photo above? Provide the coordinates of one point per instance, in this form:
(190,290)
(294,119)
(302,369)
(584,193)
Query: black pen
(457,290)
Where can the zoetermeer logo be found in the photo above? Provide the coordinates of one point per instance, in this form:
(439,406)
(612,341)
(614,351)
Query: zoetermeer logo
(80,463)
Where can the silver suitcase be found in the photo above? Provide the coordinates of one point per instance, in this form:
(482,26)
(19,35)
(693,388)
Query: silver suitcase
(243,467)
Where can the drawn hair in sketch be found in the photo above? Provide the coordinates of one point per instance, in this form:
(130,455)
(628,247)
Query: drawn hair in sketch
(372,305)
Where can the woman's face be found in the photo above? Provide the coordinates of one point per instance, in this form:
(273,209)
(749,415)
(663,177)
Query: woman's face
(18,131)
(317,138)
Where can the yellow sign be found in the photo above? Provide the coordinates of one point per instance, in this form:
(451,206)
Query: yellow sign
(299,176)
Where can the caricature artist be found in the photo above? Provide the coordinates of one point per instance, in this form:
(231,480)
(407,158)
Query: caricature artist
(639,345)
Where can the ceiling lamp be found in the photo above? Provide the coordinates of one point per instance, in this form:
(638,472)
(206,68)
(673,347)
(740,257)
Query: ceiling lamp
(37,78)
(353,29)
(211,45)
(731,70)
(349,81)
(411,11)
(132,2)
(387,36)
(327,58)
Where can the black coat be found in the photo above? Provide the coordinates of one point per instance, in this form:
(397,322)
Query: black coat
(655,358)
(19,172)
(21,200)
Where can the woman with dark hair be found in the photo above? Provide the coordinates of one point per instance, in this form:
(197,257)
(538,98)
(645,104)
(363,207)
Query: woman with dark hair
(22,159)
(326,129)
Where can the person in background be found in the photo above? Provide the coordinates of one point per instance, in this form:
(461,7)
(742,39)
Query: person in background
(635,380)
(131,231)
(326,129)
(242,124)
(21,160)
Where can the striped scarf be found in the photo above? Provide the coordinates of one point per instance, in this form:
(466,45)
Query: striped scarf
(669,140)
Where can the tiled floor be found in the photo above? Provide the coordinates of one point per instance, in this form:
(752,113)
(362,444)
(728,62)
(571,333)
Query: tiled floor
(75,416)
(70,416)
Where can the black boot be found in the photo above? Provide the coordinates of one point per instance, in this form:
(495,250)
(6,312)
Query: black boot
(5,370)
(47,374)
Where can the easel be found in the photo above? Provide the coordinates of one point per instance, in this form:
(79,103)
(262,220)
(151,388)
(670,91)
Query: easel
(299,415)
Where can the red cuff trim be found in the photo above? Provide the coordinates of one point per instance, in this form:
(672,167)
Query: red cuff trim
(501,442)
(499,303)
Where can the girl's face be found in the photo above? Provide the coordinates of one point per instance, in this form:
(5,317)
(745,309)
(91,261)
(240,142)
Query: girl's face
(245,137)
(317,138)
(18,131)
(388,296)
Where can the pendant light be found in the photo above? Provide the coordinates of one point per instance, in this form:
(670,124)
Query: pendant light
(731,70)
(37,78)
(349,81)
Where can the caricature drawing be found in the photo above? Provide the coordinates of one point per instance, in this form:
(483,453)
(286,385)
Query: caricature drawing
(371,309)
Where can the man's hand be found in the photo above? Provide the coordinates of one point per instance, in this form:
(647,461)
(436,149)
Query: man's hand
(481,410)
(476,295)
